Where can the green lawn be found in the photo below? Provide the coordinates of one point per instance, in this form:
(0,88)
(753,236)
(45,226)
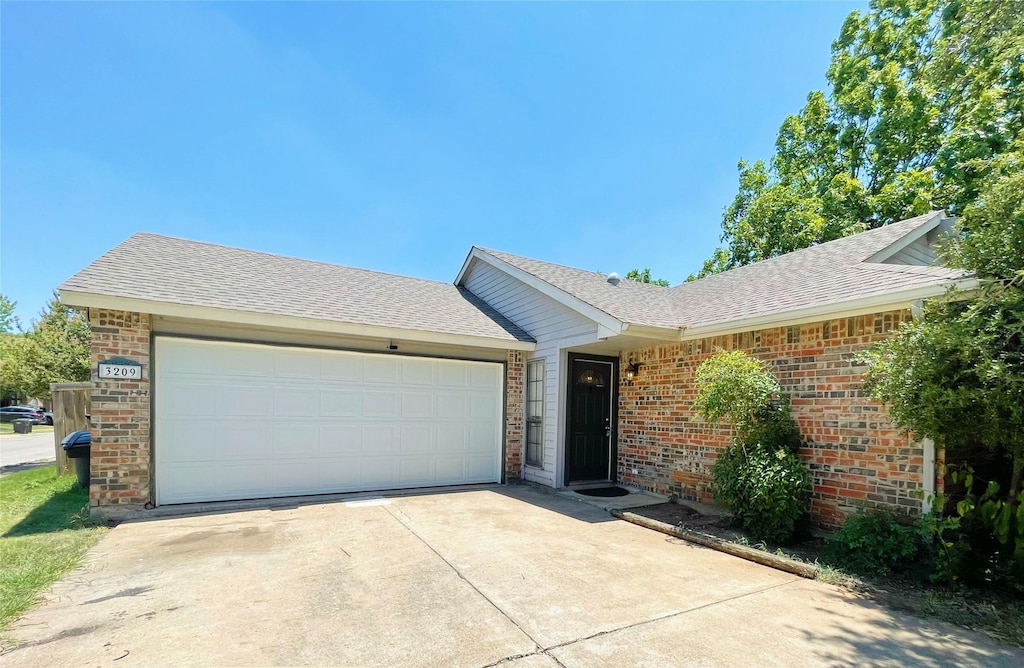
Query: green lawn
(44,531)
(8,428)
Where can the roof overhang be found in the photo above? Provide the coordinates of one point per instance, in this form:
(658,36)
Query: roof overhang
(889,301)
(175,310)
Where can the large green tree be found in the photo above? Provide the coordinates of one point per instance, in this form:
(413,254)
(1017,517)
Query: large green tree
(922,96)
(956,375)
(8,321)
(56,349)
(644,276)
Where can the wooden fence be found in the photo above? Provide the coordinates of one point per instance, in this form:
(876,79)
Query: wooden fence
(71,403)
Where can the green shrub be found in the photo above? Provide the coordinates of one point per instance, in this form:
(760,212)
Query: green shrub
(775,427)
(760,477)
(880,544)
(766,488)
(734,387)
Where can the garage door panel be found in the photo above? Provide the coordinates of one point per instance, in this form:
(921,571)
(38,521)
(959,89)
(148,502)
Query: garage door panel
(193,441)
(480,438)
(341,403)
(417,372)
(478,468)
(182,399)
(416,439)
(244,401)
(244,362)
(484,377)
(380,439)
(378,473)
(296,402)
(186,481)
(294,477)
(452,439)
(449,375)
(292,439)
(296,364)
(186,360)
(236,421)
(483,407)
(241,441)
(450,468)
(338,475)
(380,370)
(417,405)
(340,440)
(452,406)
(240,480)
(380,404)
(416,470)
(334,368)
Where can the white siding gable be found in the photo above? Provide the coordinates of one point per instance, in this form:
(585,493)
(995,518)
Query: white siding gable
(555,327)
(919,252)
(542,317)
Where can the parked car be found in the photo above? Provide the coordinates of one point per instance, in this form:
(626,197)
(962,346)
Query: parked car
(47,415)
(12,413)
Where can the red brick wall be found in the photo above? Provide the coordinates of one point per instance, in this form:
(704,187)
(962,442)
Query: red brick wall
(857,458)
(515,373)
(120,413)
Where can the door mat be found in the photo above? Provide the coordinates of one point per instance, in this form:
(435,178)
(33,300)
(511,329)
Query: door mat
(603,491)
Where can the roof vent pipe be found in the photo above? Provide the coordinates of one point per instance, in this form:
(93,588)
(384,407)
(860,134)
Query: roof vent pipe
(613,278)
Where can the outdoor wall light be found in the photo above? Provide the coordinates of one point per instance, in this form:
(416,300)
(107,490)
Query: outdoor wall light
(632,369)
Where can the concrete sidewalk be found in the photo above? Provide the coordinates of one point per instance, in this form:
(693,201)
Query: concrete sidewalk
(474,578)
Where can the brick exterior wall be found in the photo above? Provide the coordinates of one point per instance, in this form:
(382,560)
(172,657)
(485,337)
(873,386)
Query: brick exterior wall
(120,413)
(856,457)
(515,412)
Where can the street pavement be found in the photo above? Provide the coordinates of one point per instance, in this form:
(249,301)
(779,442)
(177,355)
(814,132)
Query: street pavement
(24,448)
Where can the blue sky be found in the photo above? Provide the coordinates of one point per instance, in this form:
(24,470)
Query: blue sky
(390,136)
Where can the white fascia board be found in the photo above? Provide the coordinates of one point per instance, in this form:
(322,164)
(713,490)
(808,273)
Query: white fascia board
(465,265)
(545,288)
(91,300)
(650,332)
(872,304)
(909,238)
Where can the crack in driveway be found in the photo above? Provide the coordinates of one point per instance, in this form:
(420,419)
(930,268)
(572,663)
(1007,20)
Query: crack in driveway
(407,521)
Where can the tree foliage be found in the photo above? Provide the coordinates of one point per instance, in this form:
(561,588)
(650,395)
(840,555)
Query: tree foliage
(8,321)
(644,276)
(56,349)
(956,375)
(923,96)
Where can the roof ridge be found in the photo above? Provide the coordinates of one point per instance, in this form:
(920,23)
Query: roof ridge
(859,236)
(282,256)
(492,252)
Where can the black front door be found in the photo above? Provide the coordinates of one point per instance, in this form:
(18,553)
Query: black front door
(591,419)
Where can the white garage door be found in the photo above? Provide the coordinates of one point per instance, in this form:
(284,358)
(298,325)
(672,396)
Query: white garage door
(243,421)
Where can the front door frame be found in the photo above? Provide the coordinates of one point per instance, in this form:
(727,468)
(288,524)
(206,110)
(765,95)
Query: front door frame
(613,397)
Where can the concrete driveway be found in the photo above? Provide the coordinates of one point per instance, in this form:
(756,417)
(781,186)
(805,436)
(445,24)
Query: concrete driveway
(471,578)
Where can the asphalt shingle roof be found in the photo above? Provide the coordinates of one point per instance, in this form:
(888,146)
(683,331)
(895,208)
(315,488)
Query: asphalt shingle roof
(167,269)
(829,273)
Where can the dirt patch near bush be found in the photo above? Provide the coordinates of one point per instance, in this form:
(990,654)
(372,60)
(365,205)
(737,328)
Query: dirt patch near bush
(722,527)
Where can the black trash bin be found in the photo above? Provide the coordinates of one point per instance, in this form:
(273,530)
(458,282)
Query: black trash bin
(77,445)
(22,426)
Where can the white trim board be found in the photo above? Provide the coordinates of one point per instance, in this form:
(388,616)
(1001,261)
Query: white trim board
(91,300)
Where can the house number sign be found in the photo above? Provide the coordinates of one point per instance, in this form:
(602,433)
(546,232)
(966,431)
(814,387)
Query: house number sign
(120,369)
